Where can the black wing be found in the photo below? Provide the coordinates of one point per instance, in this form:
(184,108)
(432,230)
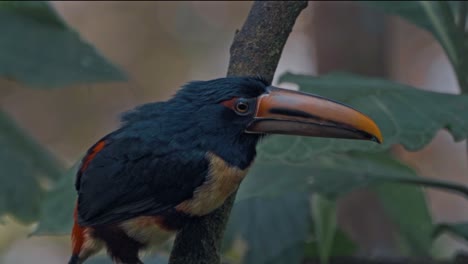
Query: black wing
(121,178)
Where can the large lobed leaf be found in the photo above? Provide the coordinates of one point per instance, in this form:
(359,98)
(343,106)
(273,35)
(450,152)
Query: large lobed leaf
(38,49)
(336,174)
(331,174)
(405,115)
(25,167)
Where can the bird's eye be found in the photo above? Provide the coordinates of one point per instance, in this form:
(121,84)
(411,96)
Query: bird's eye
(242,107)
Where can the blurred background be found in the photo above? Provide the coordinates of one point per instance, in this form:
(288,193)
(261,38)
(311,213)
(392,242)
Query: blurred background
(162,45)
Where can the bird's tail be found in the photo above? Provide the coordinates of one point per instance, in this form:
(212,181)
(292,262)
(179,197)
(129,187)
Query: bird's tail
(74,260)
(77,238)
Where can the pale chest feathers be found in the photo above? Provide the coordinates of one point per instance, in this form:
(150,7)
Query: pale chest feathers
(146,230)
(221,182)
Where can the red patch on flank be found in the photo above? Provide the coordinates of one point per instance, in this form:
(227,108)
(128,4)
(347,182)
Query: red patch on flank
(230,103)
(91,154)
(77,234)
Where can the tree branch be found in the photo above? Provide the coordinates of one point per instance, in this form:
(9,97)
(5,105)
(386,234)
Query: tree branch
(257,47)
(256,50)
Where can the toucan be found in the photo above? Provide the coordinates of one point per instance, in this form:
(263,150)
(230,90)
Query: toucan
(173,161)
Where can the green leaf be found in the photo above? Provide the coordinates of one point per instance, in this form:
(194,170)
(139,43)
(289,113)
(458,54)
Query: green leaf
(331,174)
(438,18)
(270,227)
(293,254)
(26,167)
(37,10)
(39,50)
(457,229)
(404,114)
(324,219)
(56,217)
(342,246)
(334,175)
(407,207)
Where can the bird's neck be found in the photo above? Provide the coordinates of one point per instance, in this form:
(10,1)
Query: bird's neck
(240,152)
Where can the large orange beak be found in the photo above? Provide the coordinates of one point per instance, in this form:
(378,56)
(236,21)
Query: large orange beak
(281,111)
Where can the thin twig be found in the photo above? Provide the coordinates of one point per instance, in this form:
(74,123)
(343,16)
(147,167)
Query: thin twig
(445,185)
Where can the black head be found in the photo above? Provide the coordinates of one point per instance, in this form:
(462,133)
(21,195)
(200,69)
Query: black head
(228,116)
(220,112)
(211,115)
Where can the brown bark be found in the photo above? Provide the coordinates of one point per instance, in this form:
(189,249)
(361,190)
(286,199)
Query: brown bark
(256,50)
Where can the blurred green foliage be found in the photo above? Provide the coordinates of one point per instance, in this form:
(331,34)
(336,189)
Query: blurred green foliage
(32,34)
(324,215)
(25,164)
(445,20)
(39,50)
(273,216)
(270,226)
(458,229)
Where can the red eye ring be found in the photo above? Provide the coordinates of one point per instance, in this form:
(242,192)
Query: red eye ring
(230,103)
(241,106)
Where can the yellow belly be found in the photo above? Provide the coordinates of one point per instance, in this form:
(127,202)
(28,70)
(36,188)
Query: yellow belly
(146,230)
(221,182)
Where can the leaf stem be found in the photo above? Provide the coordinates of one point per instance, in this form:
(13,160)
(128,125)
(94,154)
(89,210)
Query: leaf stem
(445,185)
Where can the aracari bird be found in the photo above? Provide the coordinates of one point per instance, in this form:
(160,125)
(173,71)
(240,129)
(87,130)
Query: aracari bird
(172,161)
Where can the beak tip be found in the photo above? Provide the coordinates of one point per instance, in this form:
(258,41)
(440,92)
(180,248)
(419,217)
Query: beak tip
(378,137)
(374,131)
(378,140)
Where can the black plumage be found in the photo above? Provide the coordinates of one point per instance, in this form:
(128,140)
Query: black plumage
(158,157)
